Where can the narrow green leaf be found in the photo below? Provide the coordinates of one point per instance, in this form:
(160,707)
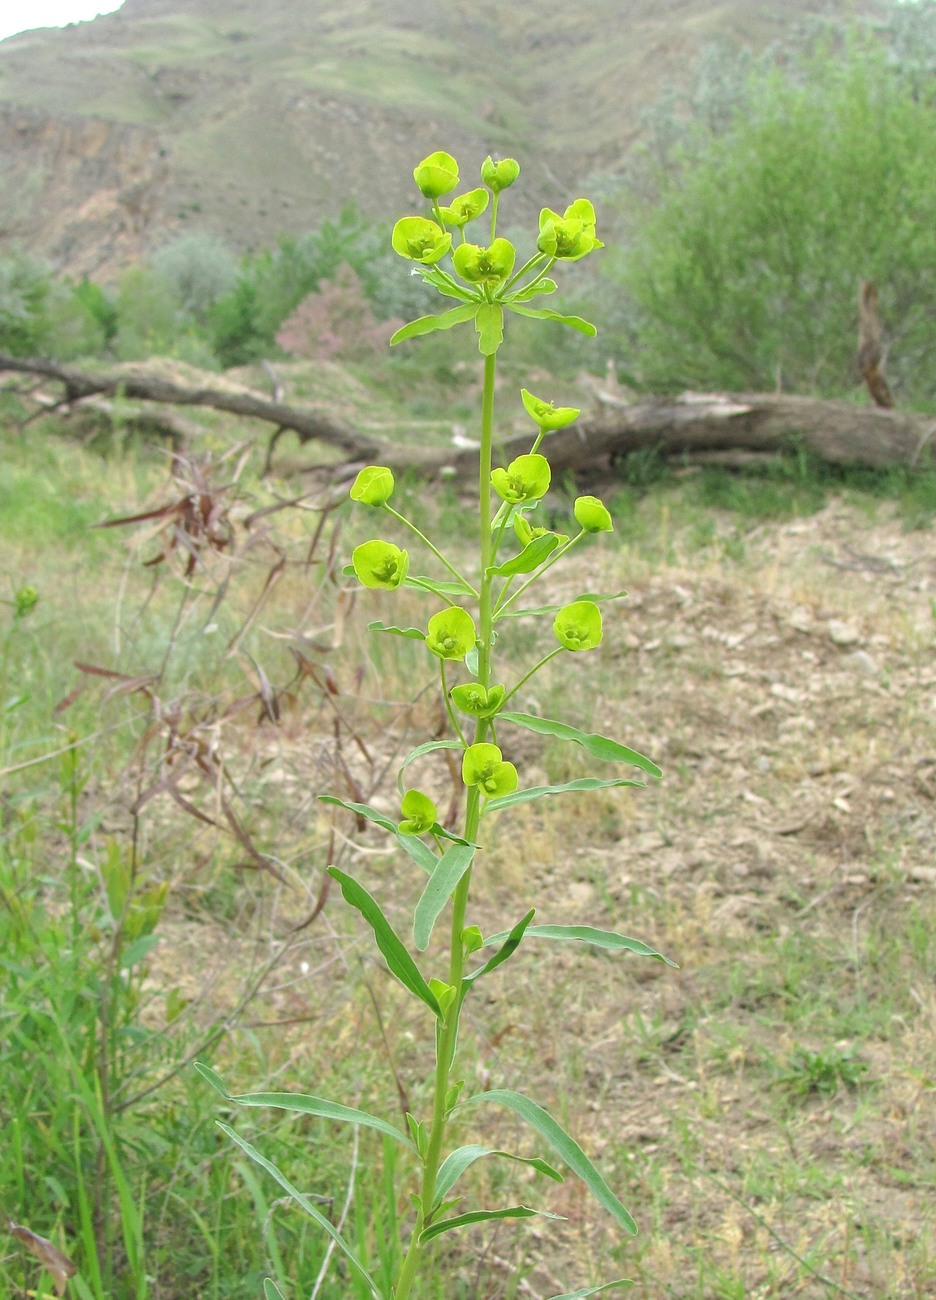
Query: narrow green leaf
(542,791)
(394,951)
(305,1105)
(510,945)
(270,1290)
(530,558)
(439,888)
(418,752)
(544,313)
(429,324)
(598,746)
(489,322)
(439,587)
(482,1216)
(565,1147)
(606,939)
(445,284)
(421,854)
(362,810)
(595,597)
(138,951)
(532,290)
(412,633)
(591,1290)
(305,1203)
(454,1165)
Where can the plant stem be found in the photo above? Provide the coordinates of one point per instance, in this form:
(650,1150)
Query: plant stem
(422,537)
(447,1035)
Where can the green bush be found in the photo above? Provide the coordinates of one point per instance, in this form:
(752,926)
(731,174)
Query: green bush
(746,258)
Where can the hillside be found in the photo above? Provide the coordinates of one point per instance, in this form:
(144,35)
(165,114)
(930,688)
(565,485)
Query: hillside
(249,119)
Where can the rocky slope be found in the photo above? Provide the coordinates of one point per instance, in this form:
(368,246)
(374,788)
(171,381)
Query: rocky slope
(249,118)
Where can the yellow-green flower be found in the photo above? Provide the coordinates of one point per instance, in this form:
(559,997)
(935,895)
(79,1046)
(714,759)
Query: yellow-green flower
(419,813)
(578,626)
(473,699)
(465,208)
(373,486)
(479,265)
(501,175)
(483,765)
(592,515)
(570,236)
(436,175)
(547,415)
(451,633)
(420,239)
(379,564)
(525,479)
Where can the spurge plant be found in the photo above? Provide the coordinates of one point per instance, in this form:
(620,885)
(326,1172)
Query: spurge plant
(475,609)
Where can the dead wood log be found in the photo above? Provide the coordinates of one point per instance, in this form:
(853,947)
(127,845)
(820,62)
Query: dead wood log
(309,425)
(869,345)
(732,425)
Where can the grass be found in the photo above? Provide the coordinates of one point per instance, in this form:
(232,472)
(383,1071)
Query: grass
(766,1111)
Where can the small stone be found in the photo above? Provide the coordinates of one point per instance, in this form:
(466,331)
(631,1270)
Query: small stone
(862,662)
(842,633)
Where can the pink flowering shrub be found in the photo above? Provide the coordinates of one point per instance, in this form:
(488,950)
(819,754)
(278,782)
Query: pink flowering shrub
(335,322)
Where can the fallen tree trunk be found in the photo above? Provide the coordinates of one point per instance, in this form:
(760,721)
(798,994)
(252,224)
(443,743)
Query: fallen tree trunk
(722,427)
(729,429)
(309,425)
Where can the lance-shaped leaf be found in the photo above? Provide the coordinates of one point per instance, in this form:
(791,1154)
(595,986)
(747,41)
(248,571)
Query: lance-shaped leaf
(606,939)
(305,1105)
(439,888)
(421,854)
(271,1291)
(592,1290)
(565,1147)
(398,960)
(595,597)
(530,558)
(489,322)
(544,313)
(310,1209)
(427,747)
(440,588)
(411,633)
(534,792)
(483,1216)
(429,324)
(454,1165)
(533,290)
(511,943)
(609,751)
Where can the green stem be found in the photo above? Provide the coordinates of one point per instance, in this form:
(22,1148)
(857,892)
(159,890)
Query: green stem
(447,1036)
(535,669)
(435,551)
(448,705)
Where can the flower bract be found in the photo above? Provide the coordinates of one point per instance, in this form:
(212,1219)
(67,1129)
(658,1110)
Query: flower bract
(578,626)
(436,175)
(499,176)
(419,813)
(451,633)
(546,414)
(379,564)
(465,207)
(570,236)
(420,239)
(373,486)
(479,265)
(473,699)
(592,515)
(483,765)
(525,479)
